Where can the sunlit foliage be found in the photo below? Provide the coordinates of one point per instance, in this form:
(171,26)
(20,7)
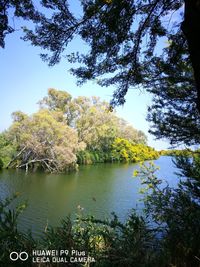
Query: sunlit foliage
(67,131)
(125,151)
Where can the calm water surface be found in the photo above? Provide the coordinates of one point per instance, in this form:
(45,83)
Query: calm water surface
(99,189)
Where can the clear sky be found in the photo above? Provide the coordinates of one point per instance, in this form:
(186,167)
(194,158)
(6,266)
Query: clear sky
(25,79)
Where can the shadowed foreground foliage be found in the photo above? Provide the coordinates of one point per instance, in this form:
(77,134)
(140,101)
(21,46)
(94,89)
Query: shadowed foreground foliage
(110,242)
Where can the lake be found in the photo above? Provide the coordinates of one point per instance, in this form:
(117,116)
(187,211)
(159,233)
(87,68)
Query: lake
(97,189)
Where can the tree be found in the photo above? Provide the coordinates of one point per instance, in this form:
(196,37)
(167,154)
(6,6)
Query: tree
(191,29)
(56,100)
(60,102)
(24,9)
(97,126)
(43,142)
(126,131)
(123,36)
(175,211)
(173,112)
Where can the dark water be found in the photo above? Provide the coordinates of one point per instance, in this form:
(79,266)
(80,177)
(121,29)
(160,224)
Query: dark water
(98,189)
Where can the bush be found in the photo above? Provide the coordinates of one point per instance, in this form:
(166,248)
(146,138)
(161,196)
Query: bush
(10,238)
(110,242)
(125,151)
(175,212)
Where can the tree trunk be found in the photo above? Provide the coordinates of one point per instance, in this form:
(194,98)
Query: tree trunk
(191,29)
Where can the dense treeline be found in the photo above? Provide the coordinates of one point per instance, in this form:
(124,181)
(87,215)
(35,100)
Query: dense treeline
(68,131)
(179,152)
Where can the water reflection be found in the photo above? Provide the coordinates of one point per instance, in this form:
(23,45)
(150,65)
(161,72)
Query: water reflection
(95,189)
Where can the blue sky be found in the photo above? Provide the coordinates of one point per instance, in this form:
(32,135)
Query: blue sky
(25,79)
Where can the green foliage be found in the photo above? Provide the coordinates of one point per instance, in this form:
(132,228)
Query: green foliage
(126,131)
(179,119)
(44,142)
(120,150)
(90,157)
(113,243)
(170,239)
(65,131)
(114,31)
(98,127)
(175,212)
(123,150)
(123,37)
(25,9)
(189,168)
(56,100)
(10,238)
(7,149)
(127,41)
(178,152)
(110,242)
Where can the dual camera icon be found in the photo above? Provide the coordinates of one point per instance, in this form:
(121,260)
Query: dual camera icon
(14,256)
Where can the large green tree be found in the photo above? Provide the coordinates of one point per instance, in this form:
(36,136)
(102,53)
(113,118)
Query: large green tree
(43,141)
(123,36)
(96,126)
